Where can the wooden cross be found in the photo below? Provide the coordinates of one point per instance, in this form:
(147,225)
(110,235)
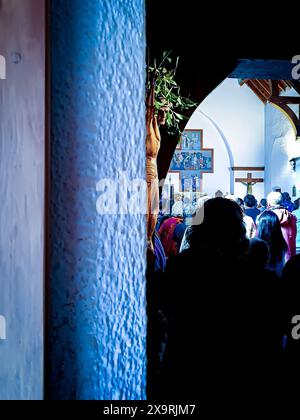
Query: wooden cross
(249,181)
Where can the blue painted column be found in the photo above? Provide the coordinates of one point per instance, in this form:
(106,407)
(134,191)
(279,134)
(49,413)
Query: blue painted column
(96,291)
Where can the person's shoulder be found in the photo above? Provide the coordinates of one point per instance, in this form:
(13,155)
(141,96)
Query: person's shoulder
(248,219)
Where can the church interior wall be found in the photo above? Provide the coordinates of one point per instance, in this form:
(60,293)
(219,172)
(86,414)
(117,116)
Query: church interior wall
(280,147)
(220,179)
(245,132)
(239,116)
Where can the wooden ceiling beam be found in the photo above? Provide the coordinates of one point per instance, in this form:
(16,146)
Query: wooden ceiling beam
(258,90)
(269,90)
(265,88)
(266,85)
(274,88)
(282,85)
(285,99)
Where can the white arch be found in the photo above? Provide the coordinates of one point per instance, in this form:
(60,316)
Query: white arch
(227,145)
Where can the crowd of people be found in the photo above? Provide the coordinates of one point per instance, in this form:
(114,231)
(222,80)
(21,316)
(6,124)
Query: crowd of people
(226,291)
(275,220)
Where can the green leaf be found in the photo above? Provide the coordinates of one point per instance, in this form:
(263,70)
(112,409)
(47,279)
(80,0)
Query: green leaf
(179,116)
(167,91)
(169,119)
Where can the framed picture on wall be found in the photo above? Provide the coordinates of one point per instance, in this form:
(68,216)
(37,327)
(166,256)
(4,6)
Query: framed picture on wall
(190,181)
(192,161)
(191,139)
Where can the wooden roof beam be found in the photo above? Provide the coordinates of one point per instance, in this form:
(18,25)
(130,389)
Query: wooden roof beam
(257,90)
(285,100)
(264,87)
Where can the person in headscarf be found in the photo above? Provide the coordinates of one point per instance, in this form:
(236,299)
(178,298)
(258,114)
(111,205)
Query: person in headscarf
(288,222)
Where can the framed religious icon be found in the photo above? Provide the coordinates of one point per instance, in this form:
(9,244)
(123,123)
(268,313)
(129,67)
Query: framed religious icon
(191,139)
(192,160)
(201,161)
(190,182)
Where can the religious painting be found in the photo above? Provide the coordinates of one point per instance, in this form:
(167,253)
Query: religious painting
(192,161)
(191,139)
(190,182)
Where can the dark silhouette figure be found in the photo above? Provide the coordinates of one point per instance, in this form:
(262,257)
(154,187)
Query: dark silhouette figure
(223,340)
(263,205)
(250,207)
(259,253)
(291,307)
(269,230)
(287,202)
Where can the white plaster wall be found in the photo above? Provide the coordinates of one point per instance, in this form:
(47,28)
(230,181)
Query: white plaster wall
(239,116)
(212,138)
(245,132)
(280,147)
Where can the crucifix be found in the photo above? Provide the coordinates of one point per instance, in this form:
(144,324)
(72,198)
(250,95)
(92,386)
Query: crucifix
(249,181)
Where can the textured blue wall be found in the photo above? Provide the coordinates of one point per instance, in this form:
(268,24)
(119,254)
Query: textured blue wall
(97,311)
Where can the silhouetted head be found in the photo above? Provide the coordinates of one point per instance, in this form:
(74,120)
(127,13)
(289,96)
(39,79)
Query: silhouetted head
(259,253)
(286,197)
(250,201)
(222,232)
(276,188)
(263,203)
(269,230)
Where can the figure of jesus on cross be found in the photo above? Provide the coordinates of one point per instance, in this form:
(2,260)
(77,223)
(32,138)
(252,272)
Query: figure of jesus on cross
(249,182)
